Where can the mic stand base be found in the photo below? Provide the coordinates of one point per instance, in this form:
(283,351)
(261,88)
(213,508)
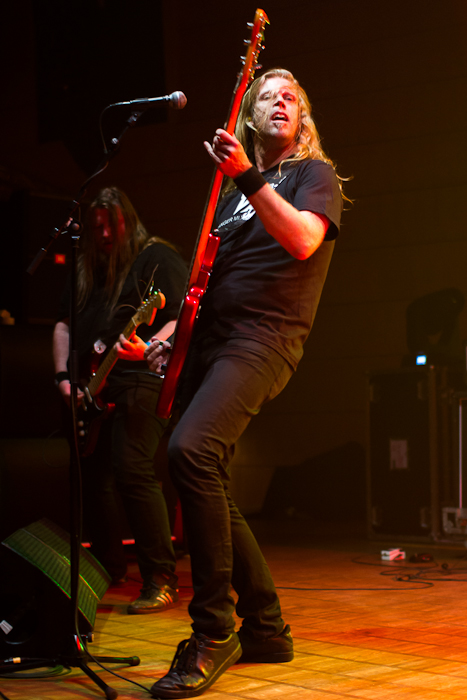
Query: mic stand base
(78,658)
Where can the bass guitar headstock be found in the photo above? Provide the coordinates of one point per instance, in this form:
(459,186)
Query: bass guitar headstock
(255,44)
(249,65)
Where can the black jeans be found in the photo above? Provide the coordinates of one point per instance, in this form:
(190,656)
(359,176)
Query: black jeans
(227,385)
(124,459)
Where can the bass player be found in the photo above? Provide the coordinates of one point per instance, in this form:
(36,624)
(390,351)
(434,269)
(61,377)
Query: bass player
(277,222)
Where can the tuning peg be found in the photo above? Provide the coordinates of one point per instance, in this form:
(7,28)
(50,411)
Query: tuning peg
(246,41)
(258,66)
(250,25)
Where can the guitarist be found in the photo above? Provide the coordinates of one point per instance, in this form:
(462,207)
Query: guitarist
(277,222)
(117,262)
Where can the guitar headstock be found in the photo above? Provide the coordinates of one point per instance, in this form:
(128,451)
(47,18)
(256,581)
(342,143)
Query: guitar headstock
(255,44)
(250,64)
(147,311)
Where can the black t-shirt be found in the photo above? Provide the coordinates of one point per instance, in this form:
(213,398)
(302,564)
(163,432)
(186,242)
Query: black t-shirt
(158,262)
(257,289)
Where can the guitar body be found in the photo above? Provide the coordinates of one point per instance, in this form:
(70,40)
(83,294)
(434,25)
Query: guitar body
(91,413)
(185,325)
(90,417)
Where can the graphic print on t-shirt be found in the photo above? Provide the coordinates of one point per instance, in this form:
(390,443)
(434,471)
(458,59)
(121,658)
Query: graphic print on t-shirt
(244,211)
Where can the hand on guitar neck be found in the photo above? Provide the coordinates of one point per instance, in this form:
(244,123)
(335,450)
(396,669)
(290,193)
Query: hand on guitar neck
(131,349)
(135,348)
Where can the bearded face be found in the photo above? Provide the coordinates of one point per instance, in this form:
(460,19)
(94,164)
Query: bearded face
(107,233)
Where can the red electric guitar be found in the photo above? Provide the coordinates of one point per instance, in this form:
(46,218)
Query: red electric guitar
(93,409)
(207,243)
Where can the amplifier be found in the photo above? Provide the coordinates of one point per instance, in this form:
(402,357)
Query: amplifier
(408,452)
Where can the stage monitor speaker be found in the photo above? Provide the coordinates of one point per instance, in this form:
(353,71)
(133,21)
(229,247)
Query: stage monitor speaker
(35,612)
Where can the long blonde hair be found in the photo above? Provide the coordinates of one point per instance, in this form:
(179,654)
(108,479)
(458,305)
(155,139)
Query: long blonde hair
(123,253)
(307,137)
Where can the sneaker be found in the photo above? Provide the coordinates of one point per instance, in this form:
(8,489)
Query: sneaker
(197,664)
(273,650)
(153,598)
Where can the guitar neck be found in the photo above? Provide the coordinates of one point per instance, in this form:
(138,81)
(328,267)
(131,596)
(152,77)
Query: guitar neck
(241,85)
(206,243)
(214,191)
(206,227)
(96,383)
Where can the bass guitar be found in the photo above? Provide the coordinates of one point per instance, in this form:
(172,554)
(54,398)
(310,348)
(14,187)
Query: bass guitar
(93,409)
(207,243)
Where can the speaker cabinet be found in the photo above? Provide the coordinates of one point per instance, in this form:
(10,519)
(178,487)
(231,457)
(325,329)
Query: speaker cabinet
(454,511)
(35,608)
(407,453)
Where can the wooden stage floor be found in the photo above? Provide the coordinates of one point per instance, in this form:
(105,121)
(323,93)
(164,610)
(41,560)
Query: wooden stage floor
(363,628)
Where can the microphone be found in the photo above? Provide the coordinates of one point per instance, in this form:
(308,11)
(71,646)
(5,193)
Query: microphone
(177,100)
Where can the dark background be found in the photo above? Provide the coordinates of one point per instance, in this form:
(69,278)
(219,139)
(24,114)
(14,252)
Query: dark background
(388,84)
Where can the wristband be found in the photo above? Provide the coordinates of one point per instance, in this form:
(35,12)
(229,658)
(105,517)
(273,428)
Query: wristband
(250,181)
(60,377)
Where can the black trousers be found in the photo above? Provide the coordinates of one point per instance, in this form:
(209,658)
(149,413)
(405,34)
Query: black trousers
(225,387)
(124,460)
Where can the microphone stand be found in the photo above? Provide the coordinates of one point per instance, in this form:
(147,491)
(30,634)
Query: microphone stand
(76,654)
